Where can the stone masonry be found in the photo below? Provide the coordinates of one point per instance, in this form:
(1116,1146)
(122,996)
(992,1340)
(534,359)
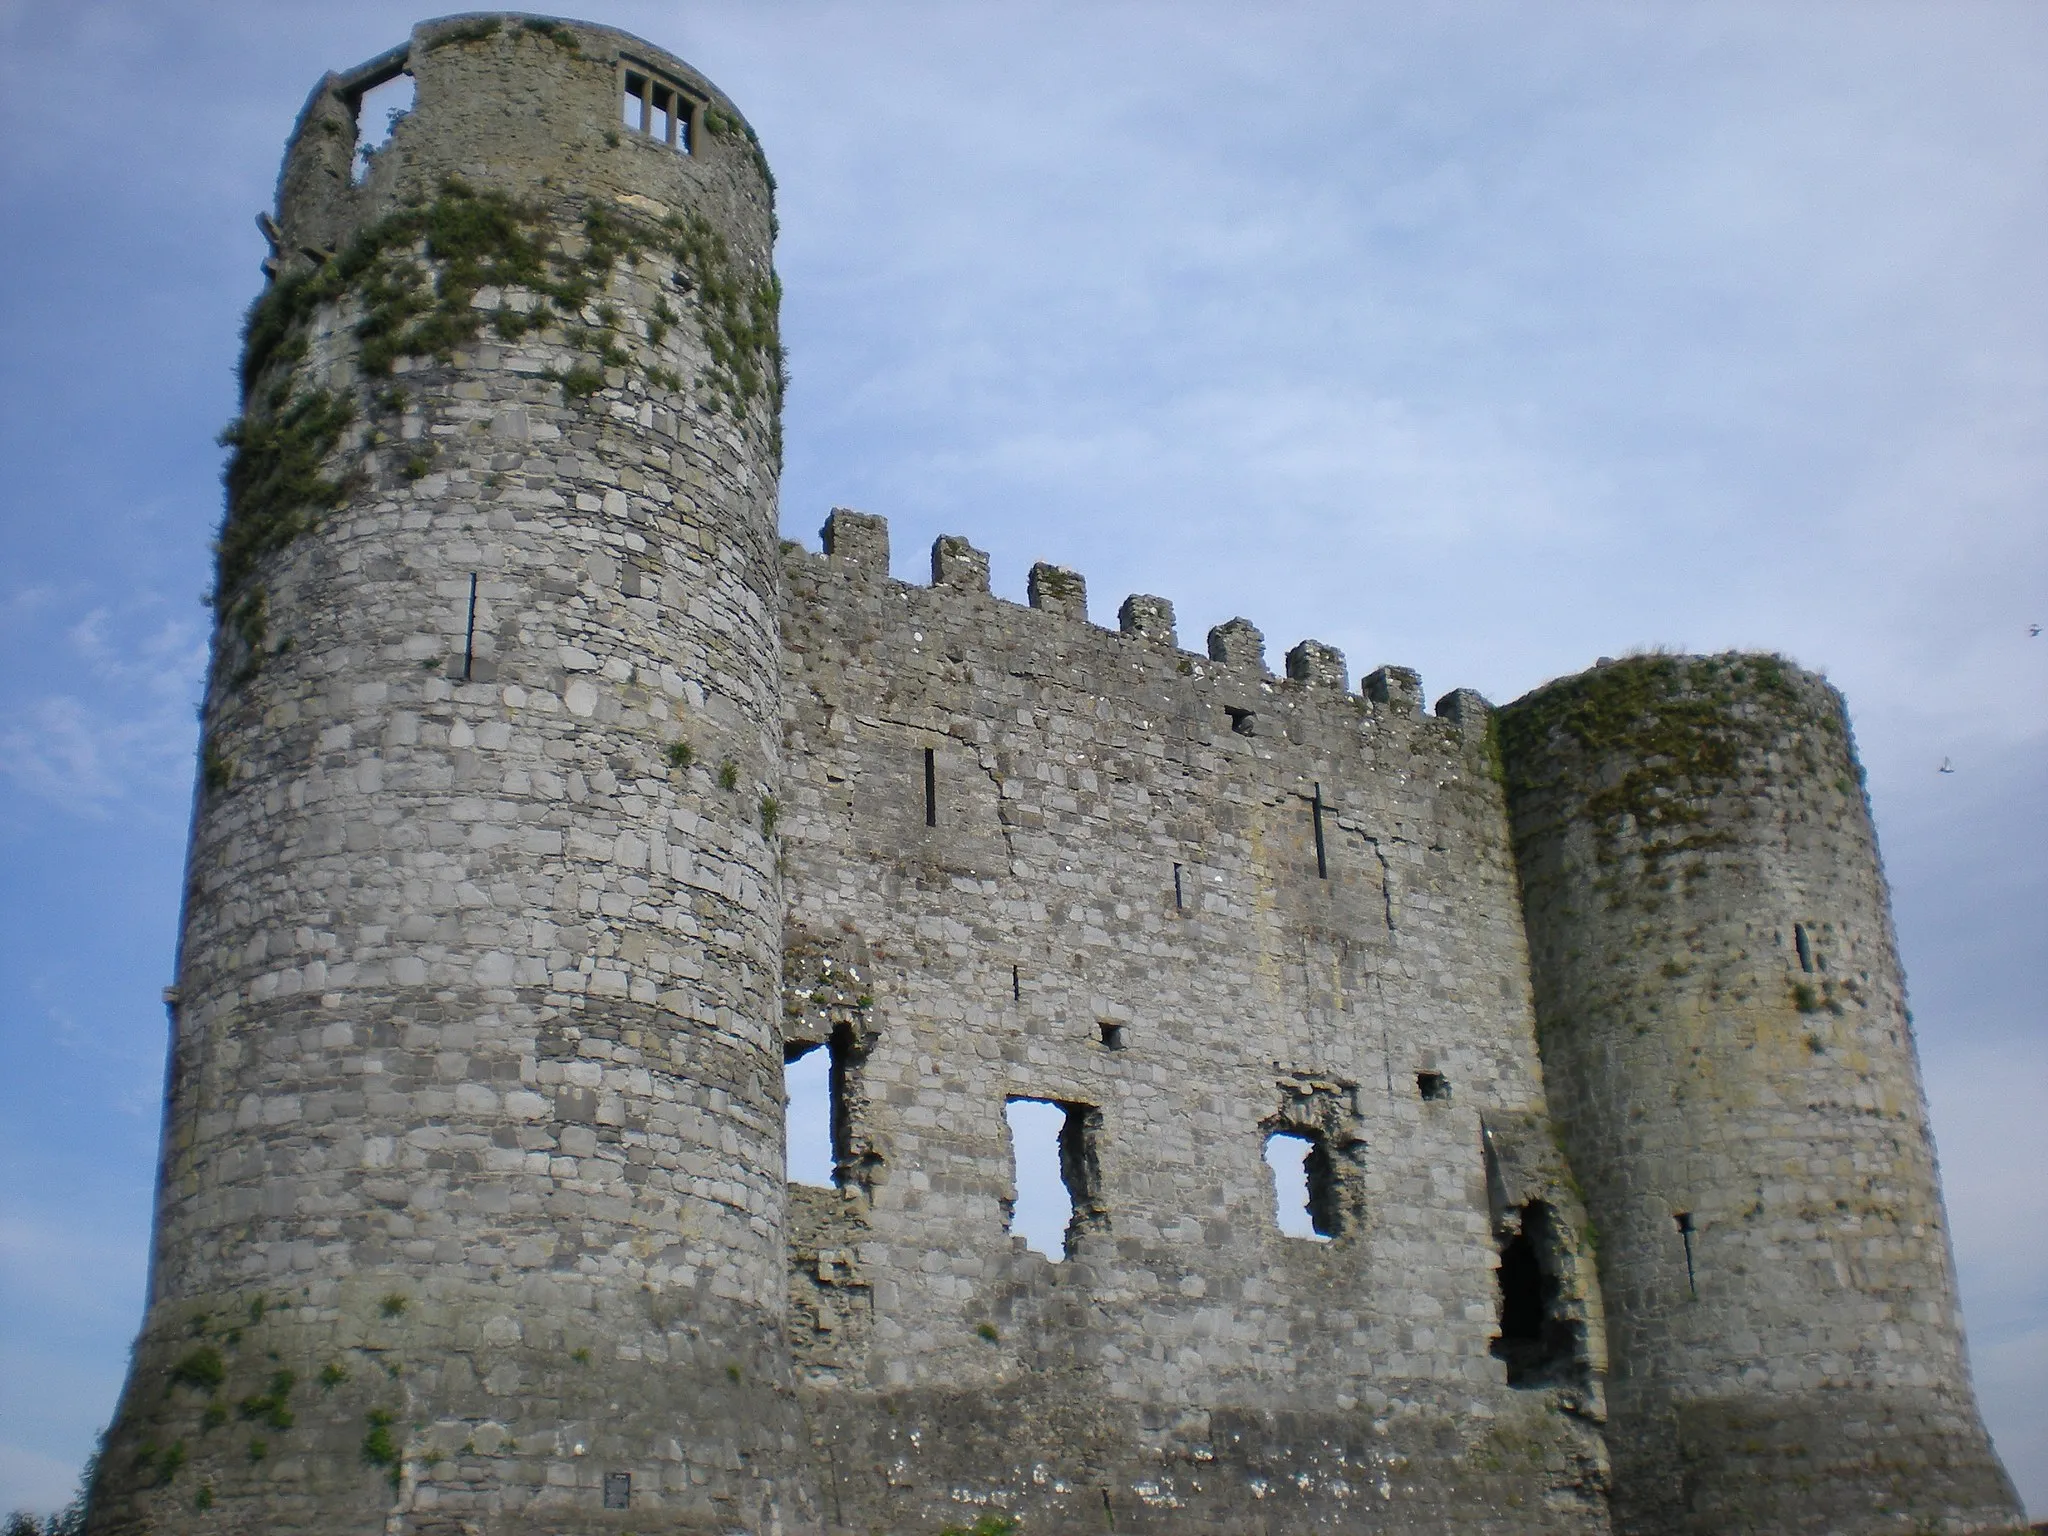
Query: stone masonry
(549,806)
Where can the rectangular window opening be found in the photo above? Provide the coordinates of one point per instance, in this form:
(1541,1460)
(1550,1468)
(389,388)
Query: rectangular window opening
(1244,722)
(817,1140)
(1017,983)
(931,787)
(1433,1086)
(1304,1184)
(1804,945)
(378,110)
(1179,899)
(1322,857)
(1054,1149)
(1112,1036)
(655,108)
(618,1490)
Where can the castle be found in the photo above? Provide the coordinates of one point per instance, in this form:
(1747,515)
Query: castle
(550,805)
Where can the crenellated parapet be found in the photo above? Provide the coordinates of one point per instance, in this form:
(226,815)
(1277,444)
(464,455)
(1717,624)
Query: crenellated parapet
(1313,690)
(1204,912)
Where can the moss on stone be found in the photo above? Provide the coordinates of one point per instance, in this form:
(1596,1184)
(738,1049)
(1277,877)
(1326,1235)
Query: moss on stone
(1676,726)
(203,1369)
(416,274)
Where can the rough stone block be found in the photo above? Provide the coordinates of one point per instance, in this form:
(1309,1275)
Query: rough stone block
(957,563)
(1467,709)
(1318,665)
(1149,618)
(1055,589)
(859,539)
(1398,688)
(1238,643)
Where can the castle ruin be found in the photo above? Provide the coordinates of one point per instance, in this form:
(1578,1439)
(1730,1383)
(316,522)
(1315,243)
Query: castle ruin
(550,805)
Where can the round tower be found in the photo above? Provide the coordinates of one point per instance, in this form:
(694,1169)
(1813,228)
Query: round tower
(471,1206)
(1728,1054)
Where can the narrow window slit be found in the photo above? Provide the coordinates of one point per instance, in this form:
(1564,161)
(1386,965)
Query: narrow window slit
(1684,1220)
(1179,900)
(469,635)
(931,787)
(1322,857)
(1804,945)
(1054,1147)
(1017,983)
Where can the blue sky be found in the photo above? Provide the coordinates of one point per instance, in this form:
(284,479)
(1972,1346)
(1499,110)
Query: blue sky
(1485,339)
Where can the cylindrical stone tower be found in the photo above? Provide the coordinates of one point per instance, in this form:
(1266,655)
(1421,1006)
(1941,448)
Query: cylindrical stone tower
(1729,1056)
(471,1211)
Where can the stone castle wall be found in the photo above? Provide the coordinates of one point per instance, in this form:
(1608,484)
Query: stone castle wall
(1080,865)
(471,1180)
(548,808)
(1732,1069)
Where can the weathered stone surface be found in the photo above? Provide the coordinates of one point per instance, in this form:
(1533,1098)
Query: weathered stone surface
(475,1118)
(550,806)
(1732,1071)
(1187,1366)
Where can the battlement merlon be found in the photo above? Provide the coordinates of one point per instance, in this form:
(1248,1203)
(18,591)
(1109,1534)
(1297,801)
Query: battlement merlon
(856,545)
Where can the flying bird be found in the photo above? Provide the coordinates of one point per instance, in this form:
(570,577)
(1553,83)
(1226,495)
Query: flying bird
(1946,766)
(2033,629)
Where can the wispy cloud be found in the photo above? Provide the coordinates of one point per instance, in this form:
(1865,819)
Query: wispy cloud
(123,737)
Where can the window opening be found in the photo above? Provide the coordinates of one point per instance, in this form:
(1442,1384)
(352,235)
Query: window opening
(1179,900)
(1243,721)
(1537,1342)
(1112,1036)
(1304,1185)
(1017,983)
(618,1490)
(377,111)
(1322,858)
(1804,945)
(810,1115)
(1433,1086)
(1053,1149)
(931,787)
(1684,1220)
(655,108)
(469,635)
